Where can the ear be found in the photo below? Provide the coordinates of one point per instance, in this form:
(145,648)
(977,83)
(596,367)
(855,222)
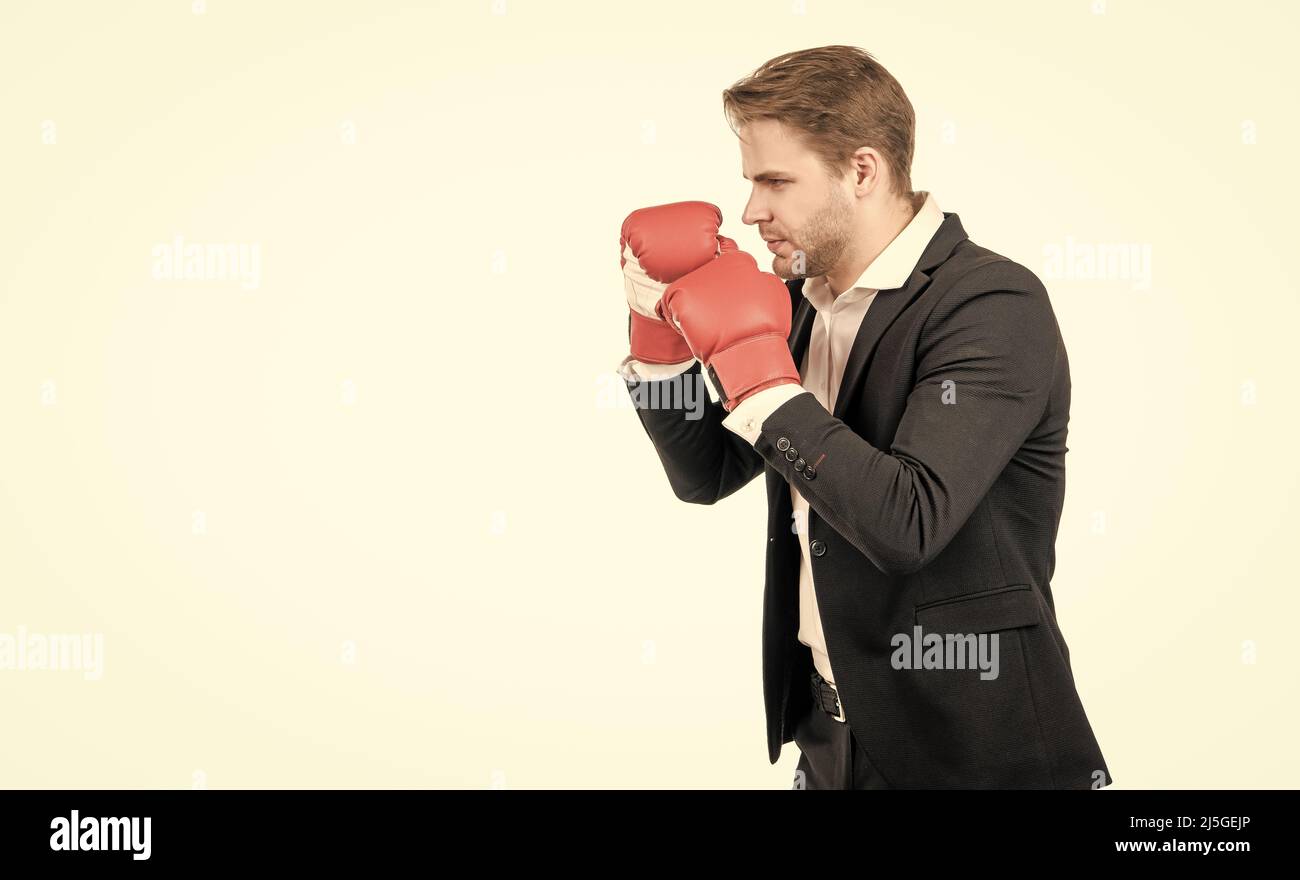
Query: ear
(868,170)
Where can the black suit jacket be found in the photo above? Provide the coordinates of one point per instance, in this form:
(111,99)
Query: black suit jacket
(935,490)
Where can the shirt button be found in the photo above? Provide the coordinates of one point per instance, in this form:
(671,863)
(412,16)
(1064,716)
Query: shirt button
(783,444)
(817,548)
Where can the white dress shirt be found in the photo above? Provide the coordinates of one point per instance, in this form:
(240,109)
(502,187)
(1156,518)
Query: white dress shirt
(833,333)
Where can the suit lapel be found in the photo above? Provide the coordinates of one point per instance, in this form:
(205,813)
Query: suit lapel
(884,309)
(801,322)
(887,306)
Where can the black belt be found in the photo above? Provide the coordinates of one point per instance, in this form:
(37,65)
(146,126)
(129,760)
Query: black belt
(827,697)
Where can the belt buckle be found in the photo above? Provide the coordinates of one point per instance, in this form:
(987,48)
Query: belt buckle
(838,705)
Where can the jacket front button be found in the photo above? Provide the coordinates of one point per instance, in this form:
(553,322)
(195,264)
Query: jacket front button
(817,548)
(783,444)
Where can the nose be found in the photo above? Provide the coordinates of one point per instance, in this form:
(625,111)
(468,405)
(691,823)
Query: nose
(755,210)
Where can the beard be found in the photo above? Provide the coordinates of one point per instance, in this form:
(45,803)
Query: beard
(820,243)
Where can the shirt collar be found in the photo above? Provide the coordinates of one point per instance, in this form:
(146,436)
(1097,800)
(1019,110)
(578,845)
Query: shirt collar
(892,267)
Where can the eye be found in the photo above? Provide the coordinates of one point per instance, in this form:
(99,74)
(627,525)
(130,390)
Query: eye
(777,181)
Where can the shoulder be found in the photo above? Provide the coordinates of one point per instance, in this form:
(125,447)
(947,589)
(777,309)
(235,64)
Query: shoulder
(972,268)
(978,286)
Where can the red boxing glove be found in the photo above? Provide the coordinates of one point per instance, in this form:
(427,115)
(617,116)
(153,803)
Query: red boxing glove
(659,245)
(736,320)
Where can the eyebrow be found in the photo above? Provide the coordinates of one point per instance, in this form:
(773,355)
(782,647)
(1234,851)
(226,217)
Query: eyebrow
(768,175)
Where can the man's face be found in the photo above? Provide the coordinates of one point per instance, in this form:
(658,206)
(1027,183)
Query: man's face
(794,200)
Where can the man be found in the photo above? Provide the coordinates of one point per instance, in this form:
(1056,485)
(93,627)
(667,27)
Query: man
(906,393)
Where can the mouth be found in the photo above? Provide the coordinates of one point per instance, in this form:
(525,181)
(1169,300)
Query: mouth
(775,244)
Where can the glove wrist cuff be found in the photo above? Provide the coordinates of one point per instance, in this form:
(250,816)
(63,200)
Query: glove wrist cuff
(657,342)
(750,366)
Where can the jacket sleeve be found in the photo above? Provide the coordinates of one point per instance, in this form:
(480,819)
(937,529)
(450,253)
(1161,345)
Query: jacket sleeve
(703,460)
(986,360)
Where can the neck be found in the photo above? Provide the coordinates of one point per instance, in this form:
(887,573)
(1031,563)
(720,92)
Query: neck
(873,233)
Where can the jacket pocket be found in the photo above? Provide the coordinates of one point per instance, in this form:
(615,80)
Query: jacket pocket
(986,611)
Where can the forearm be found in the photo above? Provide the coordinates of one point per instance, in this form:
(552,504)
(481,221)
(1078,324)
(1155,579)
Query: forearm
(704,461)
(878,502)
